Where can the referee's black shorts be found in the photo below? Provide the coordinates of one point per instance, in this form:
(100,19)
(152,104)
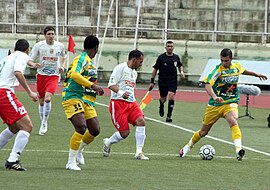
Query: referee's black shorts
(164,89)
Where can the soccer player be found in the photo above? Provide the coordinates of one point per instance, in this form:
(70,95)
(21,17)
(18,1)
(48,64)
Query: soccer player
(51,56)
(123,106)
(79,97)
(12,111)
(221,85)
(167,64)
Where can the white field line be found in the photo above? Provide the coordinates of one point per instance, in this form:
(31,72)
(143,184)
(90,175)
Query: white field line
(191,131)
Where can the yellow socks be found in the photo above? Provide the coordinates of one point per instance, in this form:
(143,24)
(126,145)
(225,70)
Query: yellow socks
(194,139)
(87,137)
(75,141)
(236,137)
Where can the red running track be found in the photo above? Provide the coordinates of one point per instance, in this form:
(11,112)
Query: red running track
(261,101)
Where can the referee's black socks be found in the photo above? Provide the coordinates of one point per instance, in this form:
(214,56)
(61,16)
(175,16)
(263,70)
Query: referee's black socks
(170,107)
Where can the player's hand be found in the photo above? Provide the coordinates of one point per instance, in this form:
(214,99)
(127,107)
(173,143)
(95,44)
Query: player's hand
(261,77)
(151,86)
(125,95)
(219,100)
(36,65)
(182,75)
(98,89)
(34,96)
(61,70)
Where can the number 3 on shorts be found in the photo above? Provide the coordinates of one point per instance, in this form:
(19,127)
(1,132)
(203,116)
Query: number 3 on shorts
(77,107)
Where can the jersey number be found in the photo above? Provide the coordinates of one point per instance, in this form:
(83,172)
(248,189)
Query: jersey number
(2,64)
(77,107)
(22,110)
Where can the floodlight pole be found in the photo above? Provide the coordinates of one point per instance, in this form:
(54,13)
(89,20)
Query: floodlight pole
(166,21)
(56,20)
(137,25)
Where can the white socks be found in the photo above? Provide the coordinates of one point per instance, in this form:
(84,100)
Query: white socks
(20,142)
(5,136)
(140,137)
(115,138)
(72,156)
(44,111)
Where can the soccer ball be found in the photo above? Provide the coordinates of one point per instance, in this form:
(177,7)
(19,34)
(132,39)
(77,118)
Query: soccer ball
(207,152)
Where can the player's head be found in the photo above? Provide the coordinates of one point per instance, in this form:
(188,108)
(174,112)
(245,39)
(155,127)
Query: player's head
(22,45)
(226,57)
(90,45)
(49,34)
(169,47)
(135,59)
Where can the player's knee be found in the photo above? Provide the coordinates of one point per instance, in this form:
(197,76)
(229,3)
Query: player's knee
(140,122)
(124,134)
(80,128)
(95,132)
(203,133)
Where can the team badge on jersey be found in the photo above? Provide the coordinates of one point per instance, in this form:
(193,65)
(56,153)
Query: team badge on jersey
(175,63)
(51,51)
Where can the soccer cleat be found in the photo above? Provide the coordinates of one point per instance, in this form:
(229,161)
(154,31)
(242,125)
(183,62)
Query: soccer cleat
(141,156)
(106,148)
(240,155)
(73,166)
(80,158)
(43,128)
(15,166)
(161,110)
(183,152)
(169,119)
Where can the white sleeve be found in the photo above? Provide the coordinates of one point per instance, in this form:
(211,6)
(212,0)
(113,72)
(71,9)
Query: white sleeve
(20,62)
(115,76)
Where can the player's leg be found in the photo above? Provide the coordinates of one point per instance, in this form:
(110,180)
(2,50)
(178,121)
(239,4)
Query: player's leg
(136,117)
(18,122)
(23,128)
(48,88)
(75,113)
(163,92)
(119,119)
(93,130)
(210,117)
(231,115)
(171,96)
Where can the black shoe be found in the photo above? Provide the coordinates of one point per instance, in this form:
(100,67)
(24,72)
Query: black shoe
(161,110)
(240,155)
(15,166)
(169,119)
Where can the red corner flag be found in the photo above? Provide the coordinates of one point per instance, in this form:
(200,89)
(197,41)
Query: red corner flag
(71,44)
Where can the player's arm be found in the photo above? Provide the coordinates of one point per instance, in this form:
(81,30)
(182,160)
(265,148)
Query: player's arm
(64,64)
(78,78)
(32,64)
(181,71)
(116,89)
(251,73)
(210,91)
(20,77)
(152,81)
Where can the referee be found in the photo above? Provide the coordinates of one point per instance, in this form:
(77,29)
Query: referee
(167,64)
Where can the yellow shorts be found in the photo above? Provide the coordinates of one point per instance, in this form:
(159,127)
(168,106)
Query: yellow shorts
(74,106)
(213,113)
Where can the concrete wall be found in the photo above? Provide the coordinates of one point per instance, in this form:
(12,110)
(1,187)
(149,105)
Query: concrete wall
(234,16)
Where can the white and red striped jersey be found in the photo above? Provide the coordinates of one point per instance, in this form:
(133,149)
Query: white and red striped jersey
(16,61)
(48,56)
(125,78)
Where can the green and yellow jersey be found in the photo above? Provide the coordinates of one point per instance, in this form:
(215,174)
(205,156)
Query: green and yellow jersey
(81,73)
(224,82)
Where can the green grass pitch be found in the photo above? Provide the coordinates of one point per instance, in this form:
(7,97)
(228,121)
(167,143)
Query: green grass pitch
(45,156)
